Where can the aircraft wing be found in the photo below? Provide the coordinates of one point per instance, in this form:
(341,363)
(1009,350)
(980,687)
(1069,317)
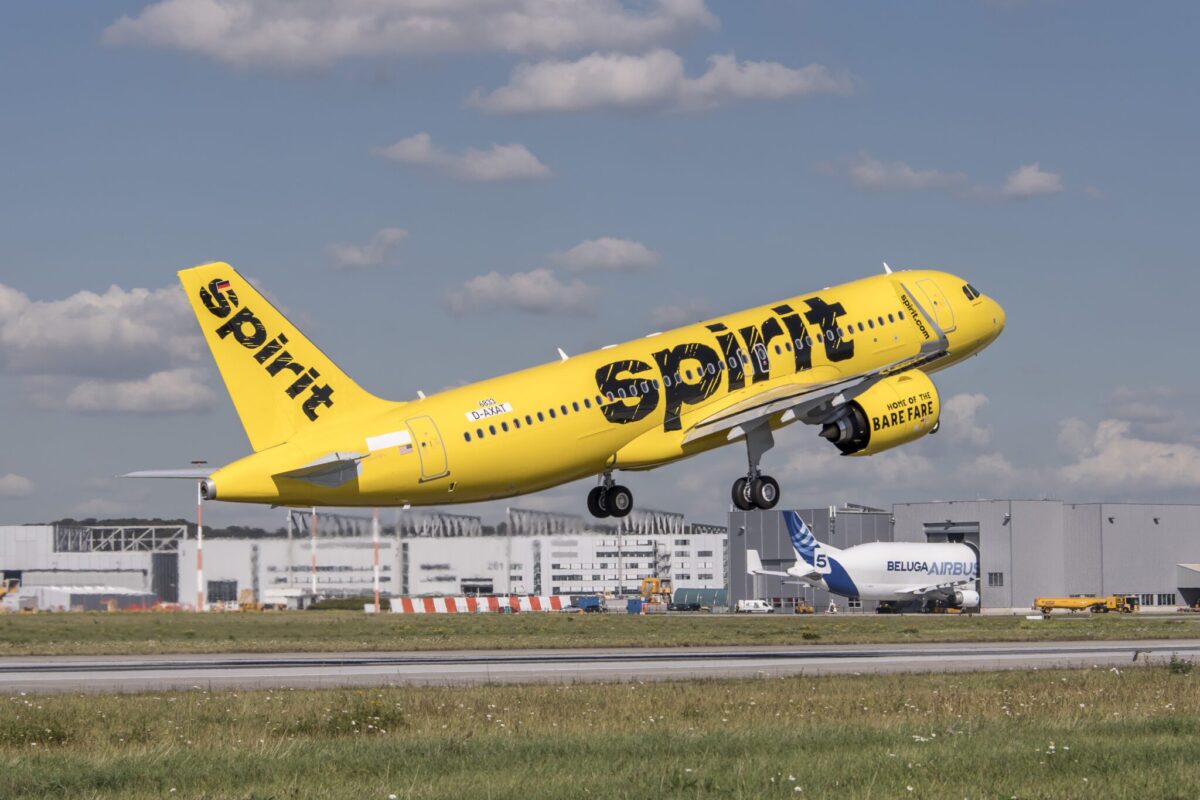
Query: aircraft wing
(921,591)
(812,400)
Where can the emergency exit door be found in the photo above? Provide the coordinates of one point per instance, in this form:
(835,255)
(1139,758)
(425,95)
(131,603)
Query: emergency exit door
(428,444)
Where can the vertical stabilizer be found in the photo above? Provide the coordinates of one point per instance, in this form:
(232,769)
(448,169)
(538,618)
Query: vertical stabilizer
(280,383)
(807,548)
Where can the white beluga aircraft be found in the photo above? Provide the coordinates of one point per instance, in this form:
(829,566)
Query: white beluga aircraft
(897,572)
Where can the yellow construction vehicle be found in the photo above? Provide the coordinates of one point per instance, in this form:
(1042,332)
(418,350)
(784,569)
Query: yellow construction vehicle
(804,607)
(1121,603)
(9,586)
(247,601)
(656,590)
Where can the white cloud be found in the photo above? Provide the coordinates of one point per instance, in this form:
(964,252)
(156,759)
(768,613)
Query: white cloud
(14,486)
(372,254)
(868,172)
(115,334)
(503,162)
(1110,456)
(538,291)
(656,80)
(684,312)
(1029,180)
(959,420)
(295,34)
(168,391)
(609,255)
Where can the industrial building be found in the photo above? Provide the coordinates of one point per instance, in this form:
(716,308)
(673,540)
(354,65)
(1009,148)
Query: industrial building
(1027,548)
(420,553)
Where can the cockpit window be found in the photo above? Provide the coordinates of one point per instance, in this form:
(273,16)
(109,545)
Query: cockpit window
(971,292)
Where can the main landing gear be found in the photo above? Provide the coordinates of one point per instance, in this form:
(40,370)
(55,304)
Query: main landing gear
(756,490)
(609,499)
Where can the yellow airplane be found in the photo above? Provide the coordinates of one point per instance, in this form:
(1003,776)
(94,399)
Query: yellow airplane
(852,360)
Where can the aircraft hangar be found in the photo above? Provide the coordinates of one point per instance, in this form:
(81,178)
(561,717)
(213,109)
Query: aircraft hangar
(1027,548)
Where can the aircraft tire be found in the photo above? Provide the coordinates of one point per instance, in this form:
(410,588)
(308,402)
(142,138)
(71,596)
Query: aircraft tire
(741,495)
(619,501)
(765,492)
(597,503)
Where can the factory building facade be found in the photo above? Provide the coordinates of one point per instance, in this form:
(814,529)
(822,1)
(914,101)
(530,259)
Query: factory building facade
(1027,549)
(420,554)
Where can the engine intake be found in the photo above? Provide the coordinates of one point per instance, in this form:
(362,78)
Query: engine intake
(894,411)
(965,598)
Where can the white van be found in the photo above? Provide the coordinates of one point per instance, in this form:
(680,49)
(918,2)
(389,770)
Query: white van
(754,607)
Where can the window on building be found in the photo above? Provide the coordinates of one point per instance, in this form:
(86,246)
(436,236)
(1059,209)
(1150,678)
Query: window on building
(682,541)
(854,603)
(1166,599)
(704,576)
(703,553)
(995,579)
(222,591)
(683,576)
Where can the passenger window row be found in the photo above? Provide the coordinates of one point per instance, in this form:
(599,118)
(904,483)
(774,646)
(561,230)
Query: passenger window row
(504,426)
(760,352)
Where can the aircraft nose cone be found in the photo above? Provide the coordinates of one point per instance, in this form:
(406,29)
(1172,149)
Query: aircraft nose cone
(998,316)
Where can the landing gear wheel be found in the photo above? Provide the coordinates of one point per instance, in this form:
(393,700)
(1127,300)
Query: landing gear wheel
(619,501)
(765,492)
(741,495)
(597,502)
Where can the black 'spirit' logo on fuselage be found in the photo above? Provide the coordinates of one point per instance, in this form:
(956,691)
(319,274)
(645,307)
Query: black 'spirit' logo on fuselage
(691,372)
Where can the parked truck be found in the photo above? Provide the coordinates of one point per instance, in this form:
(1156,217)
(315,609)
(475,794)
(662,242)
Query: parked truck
(1121,603)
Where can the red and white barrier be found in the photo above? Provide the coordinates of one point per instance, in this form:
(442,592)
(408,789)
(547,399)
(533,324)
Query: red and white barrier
(477,605)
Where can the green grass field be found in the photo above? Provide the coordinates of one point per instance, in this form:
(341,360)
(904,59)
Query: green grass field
(144,633)
(1101,733)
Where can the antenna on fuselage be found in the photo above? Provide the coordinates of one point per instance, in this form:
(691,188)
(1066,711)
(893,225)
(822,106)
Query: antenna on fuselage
(886,269)
(562,355)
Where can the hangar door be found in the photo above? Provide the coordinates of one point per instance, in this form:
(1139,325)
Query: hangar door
(958,533)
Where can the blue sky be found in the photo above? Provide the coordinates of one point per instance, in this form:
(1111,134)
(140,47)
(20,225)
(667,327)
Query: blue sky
(715,155)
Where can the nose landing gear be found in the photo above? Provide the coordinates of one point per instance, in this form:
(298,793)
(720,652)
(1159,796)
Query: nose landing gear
(756,490)
(609,499)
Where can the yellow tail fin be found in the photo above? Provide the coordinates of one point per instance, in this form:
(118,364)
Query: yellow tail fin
(281,384)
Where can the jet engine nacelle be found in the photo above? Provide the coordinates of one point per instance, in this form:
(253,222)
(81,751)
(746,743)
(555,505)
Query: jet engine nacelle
(965,598)
(894,411)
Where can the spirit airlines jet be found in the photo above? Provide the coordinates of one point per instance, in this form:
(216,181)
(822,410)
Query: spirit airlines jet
(852,360)
(891,571)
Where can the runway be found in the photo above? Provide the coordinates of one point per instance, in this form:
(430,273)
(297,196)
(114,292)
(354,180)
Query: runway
(442,668)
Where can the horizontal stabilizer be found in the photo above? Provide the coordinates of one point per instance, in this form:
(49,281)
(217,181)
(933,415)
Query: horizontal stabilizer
(754,566)
(330,471)
(191,473)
